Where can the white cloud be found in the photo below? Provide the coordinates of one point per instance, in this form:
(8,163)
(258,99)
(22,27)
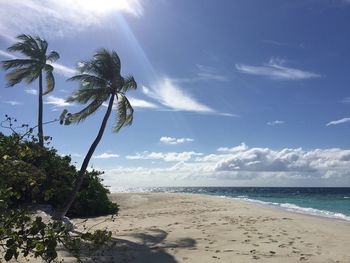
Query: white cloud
(57,18)
(243,166)
(13,102)
(74,155)
(276,122)
(56,101)
(167,156)
(347,99)
(172,140)
(344,120)
(275,69)
(31,91)
(106,156)
(317,162)
(138,103)
(64,70)
(241,147)
(171,95)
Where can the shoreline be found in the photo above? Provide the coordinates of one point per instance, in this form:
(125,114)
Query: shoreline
(293,208)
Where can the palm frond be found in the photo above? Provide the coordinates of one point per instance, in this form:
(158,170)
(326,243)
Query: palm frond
(129,83)
(53,56)
(27,46)
(34,74)
(50,79)
(17,63)
(86,112)
(42,44)
(17,75)
(125,114)
(84,95)
(88,80)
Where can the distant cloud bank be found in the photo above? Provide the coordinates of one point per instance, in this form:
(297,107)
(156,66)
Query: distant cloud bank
(241,165)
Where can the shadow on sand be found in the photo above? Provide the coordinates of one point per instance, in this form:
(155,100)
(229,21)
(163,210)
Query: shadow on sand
(149,248)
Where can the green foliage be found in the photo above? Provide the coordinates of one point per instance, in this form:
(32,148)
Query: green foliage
(39,175)
(24,234)
(99,80)
(31,174)
(92,200)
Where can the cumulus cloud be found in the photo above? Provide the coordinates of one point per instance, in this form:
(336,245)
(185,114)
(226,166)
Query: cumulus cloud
(57,18)
(165,156)
(276,122)
(242,165)
(238,148)
(317,161)
(174,141)
(344,120)
(106,156)
(276,69)
(248,166)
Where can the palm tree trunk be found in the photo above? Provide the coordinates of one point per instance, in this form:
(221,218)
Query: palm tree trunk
(40,111)
(81,175)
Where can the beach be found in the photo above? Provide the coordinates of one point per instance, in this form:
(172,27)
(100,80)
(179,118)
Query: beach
(174,227)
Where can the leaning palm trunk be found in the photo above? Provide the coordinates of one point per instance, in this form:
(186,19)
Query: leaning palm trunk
(40,111)
(100,80)
(78,182)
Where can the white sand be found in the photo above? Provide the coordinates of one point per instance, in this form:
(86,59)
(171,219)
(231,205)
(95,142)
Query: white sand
(162,227)
(169,228)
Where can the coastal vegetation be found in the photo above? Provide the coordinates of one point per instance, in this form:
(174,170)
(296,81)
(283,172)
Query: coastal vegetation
(33,175)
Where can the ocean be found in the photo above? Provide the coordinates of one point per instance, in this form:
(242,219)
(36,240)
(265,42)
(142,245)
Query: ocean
(329,202)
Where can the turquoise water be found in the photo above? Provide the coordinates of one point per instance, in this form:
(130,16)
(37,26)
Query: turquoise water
(320,201)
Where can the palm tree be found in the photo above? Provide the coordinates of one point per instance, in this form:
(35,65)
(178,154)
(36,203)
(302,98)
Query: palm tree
(100,80)
(31,68)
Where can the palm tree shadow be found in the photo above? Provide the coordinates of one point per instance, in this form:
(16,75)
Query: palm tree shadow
(149,248)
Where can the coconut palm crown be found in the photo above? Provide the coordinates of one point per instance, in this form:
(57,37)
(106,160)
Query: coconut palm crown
(100,81)
(33,66)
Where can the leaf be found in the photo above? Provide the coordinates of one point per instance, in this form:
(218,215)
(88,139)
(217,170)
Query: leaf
(9,254)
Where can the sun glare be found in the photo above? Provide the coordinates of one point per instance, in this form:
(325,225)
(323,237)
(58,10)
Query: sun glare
(106,6)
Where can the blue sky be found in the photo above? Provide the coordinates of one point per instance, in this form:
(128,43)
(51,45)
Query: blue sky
(230,93)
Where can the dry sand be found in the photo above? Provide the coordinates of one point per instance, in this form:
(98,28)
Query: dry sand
(165,227)
(169,228)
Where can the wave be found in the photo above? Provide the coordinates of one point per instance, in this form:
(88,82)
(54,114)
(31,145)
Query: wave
(298,209)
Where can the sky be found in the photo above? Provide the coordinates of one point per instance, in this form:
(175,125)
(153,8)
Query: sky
(230,93)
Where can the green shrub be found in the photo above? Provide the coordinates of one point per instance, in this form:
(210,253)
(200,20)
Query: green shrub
(39,175)
(92,200)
